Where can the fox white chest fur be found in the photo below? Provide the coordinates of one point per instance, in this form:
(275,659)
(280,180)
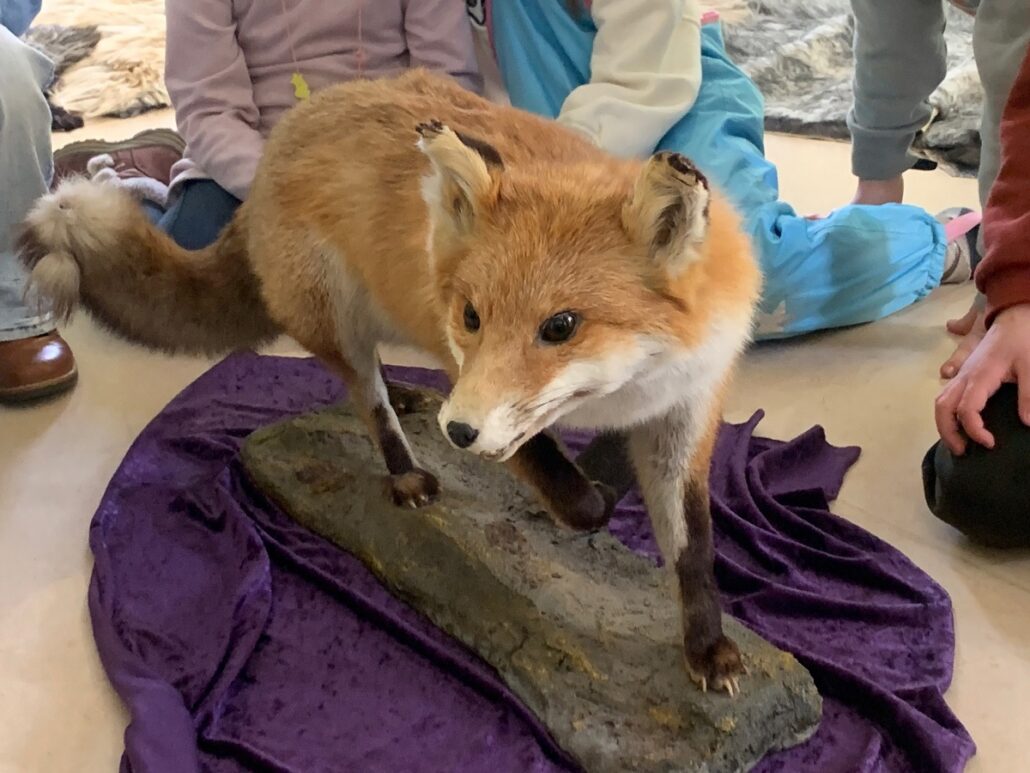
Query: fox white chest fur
(667,377)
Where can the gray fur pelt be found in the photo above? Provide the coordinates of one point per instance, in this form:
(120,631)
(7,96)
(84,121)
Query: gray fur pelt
(799,53)
(64,46)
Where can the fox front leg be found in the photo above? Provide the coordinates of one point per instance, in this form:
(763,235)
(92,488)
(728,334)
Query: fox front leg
(672,457)
(407,484)
(607,461)
(571,498)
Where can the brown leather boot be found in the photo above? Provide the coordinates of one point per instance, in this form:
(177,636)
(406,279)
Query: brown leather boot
(35,367)
(150,153)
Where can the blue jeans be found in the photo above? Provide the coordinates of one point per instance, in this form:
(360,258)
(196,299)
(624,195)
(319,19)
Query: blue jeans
(197,215)
(857,265)
(26,167)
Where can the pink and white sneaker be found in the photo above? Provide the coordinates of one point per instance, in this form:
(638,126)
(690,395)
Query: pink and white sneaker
(962,229)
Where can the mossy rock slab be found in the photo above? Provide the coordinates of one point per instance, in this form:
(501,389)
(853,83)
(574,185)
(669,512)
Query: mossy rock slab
(584,631)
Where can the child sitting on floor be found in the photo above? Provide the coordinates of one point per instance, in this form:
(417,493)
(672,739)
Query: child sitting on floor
(234,68)
(976,477)
(900,58)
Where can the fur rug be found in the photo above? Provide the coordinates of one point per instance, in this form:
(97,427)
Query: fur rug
(63,45)
(799,53)
(122,74)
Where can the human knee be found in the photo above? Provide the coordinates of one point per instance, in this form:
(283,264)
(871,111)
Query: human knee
(23,75)
(983,493)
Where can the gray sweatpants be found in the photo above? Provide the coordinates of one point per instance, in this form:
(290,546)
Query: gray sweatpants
(25,170)
(899,61)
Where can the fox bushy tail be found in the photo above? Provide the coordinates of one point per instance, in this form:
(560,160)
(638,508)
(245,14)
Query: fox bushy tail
(90,242)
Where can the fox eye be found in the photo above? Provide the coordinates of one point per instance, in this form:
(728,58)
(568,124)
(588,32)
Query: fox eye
(559,328)
(471,318)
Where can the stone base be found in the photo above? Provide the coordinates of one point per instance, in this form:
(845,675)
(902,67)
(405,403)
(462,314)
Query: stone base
(584,631)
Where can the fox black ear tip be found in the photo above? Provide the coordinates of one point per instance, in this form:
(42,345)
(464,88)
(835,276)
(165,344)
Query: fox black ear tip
(432,126)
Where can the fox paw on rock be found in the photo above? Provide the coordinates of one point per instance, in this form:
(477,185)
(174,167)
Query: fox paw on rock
(719,667)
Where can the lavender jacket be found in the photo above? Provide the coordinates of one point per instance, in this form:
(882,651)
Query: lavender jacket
(230,62)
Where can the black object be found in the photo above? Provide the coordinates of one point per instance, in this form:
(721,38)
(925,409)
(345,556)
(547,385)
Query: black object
(985,494)
(462,435)
(606,460)
(62,120)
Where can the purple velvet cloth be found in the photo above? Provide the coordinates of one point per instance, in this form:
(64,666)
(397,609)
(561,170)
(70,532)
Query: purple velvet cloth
(240,641)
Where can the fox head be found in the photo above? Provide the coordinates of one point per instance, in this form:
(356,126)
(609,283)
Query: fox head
(559,284)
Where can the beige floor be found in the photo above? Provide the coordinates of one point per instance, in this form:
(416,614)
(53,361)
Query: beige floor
(871,386)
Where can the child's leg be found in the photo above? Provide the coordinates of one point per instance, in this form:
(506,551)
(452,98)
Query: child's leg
(198,214)
(856,265)
(1000,39)
(983,493)
(198,210)
(25,169)
(900,58)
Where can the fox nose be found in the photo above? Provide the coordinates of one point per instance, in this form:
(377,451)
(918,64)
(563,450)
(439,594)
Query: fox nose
(462,435)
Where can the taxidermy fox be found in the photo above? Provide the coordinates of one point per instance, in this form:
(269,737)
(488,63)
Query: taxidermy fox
(555,283)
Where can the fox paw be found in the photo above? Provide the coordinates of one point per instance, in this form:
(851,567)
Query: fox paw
(611,499)
(590,511)
(413,489)
(406,400)
(718,667)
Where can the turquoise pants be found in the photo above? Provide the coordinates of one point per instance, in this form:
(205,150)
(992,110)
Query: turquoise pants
(857,265)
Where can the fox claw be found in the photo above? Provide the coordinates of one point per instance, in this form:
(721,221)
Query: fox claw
(405,400)
(731,686)
(728,684)
(413,489)
(699,680)
(719,666)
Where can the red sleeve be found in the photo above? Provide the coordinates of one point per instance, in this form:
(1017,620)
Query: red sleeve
(1004,274)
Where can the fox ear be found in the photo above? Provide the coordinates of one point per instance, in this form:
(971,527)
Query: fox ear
(465,175)
(668,210)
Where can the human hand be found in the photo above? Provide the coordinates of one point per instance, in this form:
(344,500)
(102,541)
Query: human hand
(1001,354)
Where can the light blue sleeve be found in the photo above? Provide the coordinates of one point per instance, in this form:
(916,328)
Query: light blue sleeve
(17,15)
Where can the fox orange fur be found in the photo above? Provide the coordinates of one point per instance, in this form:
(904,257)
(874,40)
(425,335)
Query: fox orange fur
(555,283)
